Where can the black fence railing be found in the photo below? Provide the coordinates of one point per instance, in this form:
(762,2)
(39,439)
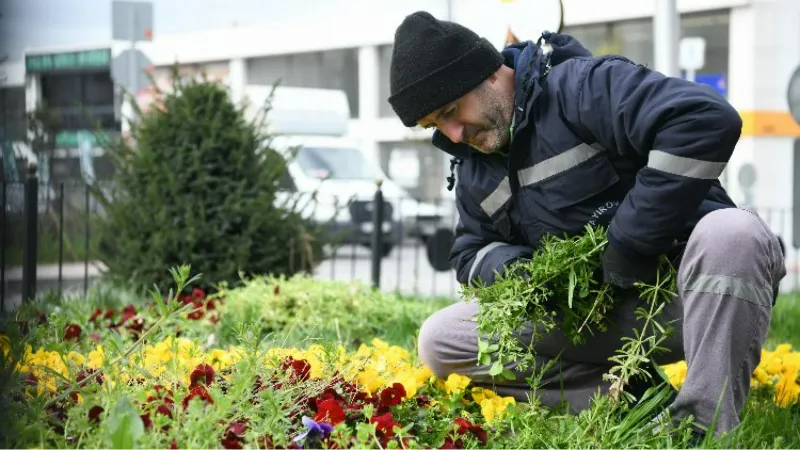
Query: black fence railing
(48,243)
(45,230)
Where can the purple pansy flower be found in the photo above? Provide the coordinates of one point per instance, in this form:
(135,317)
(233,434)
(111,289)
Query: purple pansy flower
(314,431)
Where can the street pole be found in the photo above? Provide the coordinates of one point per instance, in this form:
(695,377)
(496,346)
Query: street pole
(132,57)
(666,32)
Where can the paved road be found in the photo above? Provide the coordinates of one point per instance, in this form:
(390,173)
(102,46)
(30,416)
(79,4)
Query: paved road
(405,270)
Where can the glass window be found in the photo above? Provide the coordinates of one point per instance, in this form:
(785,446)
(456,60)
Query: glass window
(98,89)
(62,90)
(330,69)
(714,27)
(12,114)
(336,163)
(82,100)
(631,38)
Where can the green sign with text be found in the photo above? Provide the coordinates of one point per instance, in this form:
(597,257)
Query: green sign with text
(53,62)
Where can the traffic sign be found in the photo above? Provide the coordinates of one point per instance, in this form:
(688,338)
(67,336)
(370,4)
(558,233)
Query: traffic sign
(692,54)
(747,176)
(129,70)
(131,20)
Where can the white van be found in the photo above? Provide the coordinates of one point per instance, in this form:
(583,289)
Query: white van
(311,131)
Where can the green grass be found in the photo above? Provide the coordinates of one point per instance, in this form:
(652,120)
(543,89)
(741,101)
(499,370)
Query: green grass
(785,325)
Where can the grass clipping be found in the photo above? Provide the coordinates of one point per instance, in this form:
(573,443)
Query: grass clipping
(561,287)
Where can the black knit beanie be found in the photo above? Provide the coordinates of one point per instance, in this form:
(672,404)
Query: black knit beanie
(435,62)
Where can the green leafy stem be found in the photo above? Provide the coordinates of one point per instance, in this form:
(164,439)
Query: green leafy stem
(561,286)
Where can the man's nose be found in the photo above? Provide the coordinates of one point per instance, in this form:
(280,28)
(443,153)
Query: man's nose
(453,130)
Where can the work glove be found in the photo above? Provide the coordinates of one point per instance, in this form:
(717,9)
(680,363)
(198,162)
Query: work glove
(624,272)
(520,271)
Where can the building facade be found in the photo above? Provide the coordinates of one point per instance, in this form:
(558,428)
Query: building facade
(752,47)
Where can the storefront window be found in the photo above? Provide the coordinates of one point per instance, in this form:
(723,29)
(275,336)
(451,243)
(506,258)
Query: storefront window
(83,101)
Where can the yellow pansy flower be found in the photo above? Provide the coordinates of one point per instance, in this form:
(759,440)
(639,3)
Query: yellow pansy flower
(495,408)
(456,383)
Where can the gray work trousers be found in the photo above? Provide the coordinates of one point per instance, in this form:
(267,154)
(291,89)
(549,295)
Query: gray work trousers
(731,265)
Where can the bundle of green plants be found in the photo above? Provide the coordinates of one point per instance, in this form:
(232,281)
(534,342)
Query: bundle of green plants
(561,286)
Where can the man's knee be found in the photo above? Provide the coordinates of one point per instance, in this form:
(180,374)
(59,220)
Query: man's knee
(737,229)
(448,340)
(737,235)
(734,243)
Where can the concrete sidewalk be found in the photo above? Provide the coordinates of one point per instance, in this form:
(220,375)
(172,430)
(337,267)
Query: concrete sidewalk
(73,276)
(71,271)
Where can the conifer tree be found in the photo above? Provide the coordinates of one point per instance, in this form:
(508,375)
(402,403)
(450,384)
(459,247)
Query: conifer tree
(196,184)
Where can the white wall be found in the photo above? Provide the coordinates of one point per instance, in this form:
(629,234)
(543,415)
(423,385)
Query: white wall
(578,12)
(353,23)
(12,73)
(760,69)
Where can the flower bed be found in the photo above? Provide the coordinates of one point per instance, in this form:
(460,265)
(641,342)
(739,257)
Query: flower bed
(326,396)
(155,376)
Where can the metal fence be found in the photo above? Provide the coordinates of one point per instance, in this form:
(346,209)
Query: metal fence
(48,244)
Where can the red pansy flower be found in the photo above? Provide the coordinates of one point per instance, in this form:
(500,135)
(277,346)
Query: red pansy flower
(329,411)
(449,443)
(300,368)
(393,395)
(464,426)
(94,413)
(128,313)
(97,313)
(384,424)
(202,374)
(198,391)
(234,435)
(72,331)
(86,373)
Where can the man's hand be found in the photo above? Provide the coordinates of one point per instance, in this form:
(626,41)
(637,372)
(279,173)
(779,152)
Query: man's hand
(519,271)
(621,271)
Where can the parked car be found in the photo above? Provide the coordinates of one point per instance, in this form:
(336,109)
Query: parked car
(334,170)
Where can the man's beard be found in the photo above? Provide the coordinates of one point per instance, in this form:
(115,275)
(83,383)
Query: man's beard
(494,136)
(492,140)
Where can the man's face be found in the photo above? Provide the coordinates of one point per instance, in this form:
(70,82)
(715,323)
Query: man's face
(480,119)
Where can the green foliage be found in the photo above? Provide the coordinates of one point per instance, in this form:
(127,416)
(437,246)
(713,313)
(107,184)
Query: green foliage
(301,309)
(124,426)
(198,186)
(561,286)
(31,421)
(784,328)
